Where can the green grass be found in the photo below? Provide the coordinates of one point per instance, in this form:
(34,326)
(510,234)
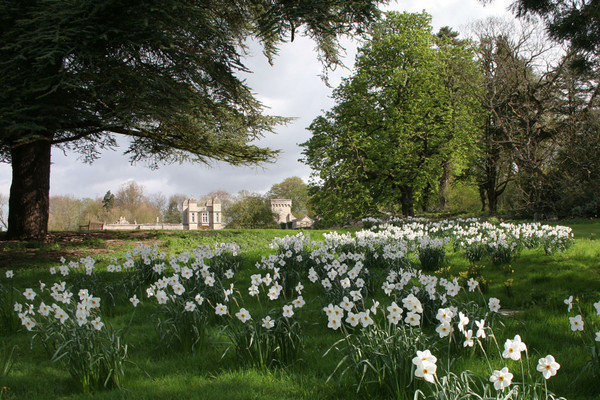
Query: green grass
(540,284)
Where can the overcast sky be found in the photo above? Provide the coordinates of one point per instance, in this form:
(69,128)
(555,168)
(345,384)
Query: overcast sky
(291,87)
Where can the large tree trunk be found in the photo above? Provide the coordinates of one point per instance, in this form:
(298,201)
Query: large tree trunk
(492,198)
(444,179)
(482,197)
(407,201)
(29,191)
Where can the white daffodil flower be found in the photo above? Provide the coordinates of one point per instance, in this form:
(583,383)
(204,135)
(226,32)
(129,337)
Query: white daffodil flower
(548,366)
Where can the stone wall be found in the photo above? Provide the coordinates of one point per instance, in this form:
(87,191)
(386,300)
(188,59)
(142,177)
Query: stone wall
(142,227)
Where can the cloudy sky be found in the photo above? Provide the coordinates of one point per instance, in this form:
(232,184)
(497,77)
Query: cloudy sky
(292,87)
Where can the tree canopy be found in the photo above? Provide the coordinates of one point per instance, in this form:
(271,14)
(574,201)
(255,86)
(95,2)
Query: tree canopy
(396,122)
(163,73)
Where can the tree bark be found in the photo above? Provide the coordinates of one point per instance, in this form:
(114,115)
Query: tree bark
(492,198)
(482,197)
(444,179)
(30,190)
(407,201)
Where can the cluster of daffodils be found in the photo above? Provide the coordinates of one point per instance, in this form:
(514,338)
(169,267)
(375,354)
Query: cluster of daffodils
(430,286)
(412,235)
(425,364)
(426,367)
(268,286)
(342,276)
(64,309)
(356,314)
(85,264)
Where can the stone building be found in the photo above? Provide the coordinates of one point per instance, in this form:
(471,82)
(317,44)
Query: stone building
(283,209)
(197,216)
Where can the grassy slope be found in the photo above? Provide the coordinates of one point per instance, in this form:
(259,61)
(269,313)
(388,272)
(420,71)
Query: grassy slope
(540,284)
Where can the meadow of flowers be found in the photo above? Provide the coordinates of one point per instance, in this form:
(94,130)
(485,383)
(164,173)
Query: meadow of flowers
(399,324)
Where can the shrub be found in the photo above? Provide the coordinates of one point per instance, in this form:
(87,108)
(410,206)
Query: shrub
(432,258)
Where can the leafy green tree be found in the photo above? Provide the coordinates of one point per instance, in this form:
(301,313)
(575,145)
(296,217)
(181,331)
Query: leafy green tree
(394,124)
(295,189)
(163,73)
(250,211)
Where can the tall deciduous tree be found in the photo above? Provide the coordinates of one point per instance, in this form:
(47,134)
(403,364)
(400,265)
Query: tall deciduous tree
(521,107)
(163,73)
(394,126)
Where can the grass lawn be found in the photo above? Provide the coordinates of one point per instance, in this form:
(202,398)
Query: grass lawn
(532,287)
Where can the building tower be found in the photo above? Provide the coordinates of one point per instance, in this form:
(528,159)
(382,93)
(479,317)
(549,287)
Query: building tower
(283,209)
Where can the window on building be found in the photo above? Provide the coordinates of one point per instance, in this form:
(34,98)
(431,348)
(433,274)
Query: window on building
(193,217)
(204,218)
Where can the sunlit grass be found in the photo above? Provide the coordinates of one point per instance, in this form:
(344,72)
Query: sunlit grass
(540,284)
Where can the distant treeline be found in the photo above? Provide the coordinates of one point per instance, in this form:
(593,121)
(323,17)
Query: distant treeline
(132,202)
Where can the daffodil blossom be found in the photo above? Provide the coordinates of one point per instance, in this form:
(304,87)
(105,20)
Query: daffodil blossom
(267,322)
(444,329)
(468,339)
(365,318)
(548,366)
(513,348)
(425,365)
(334,323)
(569,303)
(481,329)
(134,300)
(576,323)
(501,379)
(352,319)
(494,304)
(463,322)
(243,315)
(29,294)
(288,311)
(220,309)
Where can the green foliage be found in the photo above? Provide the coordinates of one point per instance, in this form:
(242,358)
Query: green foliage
(9,322)
(94,358)
(432,258)
(264,348)
(7,358)
(381,359)
(397,120)
(250,211)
